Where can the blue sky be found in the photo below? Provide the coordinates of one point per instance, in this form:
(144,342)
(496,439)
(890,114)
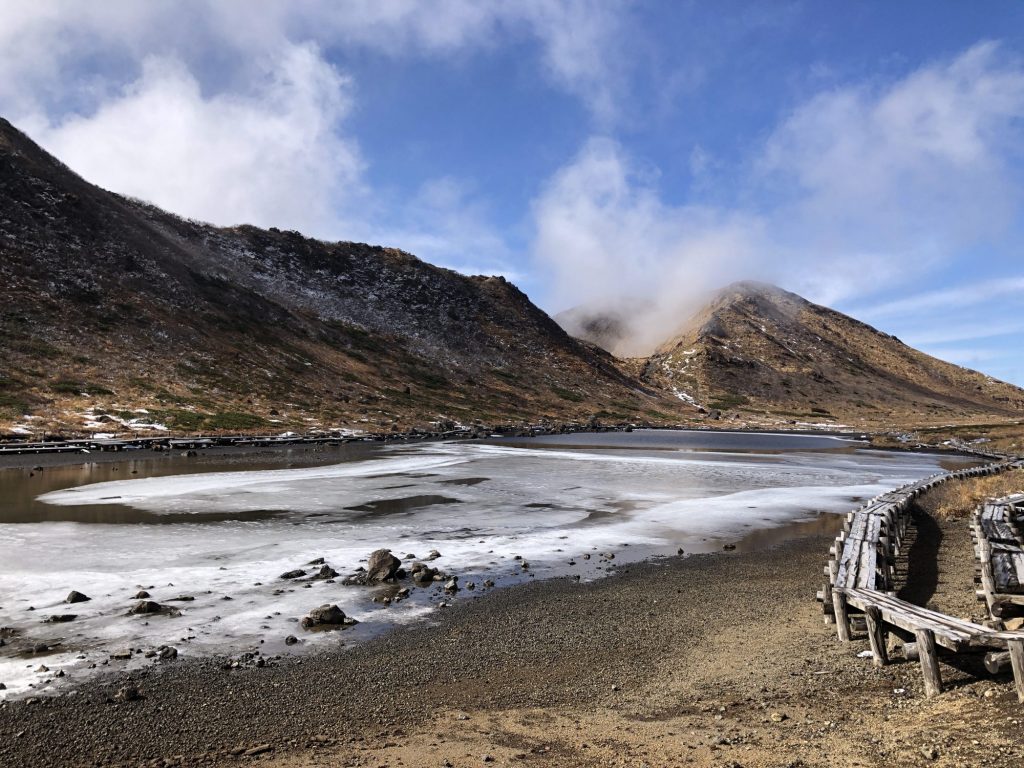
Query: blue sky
(866,155)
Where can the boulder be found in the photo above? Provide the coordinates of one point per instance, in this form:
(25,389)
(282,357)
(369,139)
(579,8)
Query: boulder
(76,597)
(146,607)
(142,595)
(434,554)
(293,574)
(327,615)
(325,572)
(382,566)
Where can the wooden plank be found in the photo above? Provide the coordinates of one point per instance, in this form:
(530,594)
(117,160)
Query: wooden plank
(1007,571)
(998,530)
(867,566)
(929,656)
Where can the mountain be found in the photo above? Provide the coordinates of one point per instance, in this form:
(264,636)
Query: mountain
(757,348)
(116,314)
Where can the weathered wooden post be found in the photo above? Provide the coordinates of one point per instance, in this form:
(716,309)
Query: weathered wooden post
(1016,648)
(842,620)
(929,662)
(876,636)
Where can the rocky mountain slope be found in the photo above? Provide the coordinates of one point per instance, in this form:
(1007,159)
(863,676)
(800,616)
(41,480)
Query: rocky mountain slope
(115,314)
(757,348)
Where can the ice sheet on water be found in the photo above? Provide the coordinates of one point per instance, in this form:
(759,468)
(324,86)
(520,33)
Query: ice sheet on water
(547,504)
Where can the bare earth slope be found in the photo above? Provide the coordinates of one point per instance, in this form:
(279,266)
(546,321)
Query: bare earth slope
(757,348)
(108,305)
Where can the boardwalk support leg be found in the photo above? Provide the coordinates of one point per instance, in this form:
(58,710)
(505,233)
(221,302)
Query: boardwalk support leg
(1017,662)
(842,620)
(929,662)
(876,636)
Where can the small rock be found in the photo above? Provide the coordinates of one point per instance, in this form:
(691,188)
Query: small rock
(452,585)
(317,561)
(127,693)
(291,640)
(168,653)
(325,572)
(60,618)
(327,615)
(778,717)
(146,606)
(930,753)
(261,749)
(433,555)
(729,547)
(76,597)
(293,574)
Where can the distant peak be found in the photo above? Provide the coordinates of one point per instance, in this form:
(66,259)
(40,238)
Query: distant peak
(756,289)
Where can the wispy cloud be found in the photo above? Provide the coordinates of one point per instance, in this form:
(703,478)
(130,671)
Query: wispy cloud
(962,331)
(969,295)
(232,112)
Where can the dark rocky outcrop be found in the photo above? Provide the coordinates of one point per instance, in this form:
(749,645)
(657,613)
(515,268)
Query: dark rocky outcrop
(327,615)
(382,566)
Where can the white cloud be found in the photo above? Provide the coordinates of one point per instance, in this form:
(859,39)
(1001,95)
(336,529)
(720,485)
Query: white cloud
(43,44)
(909,171)
(270,156)
(858,191)
(230,111)
(965,295)
(604,234)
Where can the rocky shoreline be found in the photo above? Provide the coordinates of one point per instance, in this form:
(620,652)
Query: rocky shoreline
(704,660)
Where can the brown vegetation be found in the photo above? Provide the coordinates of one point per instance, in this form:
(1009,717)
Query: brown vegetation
(958,500)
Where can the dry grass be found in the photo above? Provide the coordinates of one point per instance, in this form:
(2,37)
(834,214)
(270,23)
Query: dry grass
(954,500)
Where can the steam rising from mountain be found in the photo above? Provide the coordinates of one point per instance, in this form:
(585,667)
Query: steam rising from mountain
(856,190)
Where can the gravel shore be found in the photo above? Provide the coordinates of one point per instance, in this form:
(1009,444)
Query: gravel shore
(703,660)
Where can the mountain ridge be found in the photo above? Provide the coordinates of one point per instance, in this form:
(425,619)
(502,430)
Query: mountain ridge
(117,316)
(759,346)
(241,328)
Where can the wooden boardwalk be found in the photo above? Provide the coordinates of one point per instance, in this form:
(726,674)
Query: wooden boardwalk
(861,580)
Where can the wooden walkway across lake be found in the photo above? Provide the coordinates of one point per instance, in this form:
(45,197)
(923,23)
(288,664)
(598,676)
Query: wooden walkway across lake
(861,581)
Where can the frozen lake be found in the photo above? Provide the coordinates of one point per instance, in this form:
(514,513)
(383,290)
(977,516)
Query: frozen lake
(222,532)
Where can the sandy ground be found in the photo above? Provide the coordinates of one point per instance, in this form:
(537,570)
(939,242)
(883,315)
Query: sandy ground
(718,660)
